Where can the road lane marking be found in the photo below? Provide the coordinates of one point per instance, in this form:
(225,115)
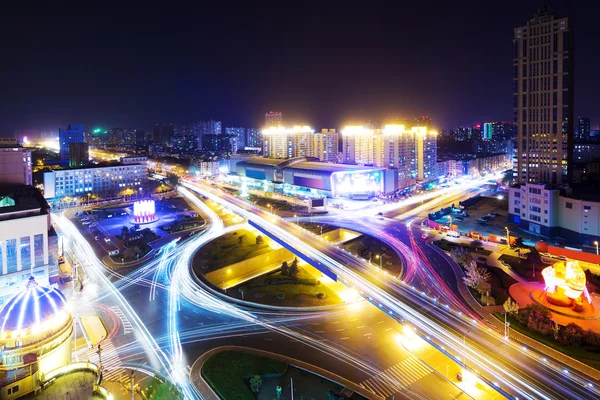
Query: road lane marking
(367,334)
(341,329)
(345,338)
(360,327)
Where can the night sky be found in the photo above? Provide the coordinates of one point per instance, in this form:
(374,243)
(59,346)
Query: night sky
(322,65)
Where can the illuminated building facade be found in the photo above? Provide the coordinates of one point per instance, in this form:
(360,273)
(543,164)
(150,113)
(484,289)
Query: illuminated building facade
(73,134)
(131,173)
(79,154)
(273,119)
(410,151)
(302,176)
(543,99)
(36,334)
(15,163)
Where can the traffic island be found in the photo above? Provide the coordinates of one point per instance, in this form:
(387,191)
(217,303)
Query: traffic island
(234,372)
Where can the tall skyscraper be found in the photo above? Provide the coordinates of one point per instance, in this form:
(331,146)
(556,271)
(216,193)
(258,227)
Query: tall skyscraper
(254,138)
(543,99)
(73,134)
(325,145)
(211,127)
(273,119)
(240,134)
(583,129)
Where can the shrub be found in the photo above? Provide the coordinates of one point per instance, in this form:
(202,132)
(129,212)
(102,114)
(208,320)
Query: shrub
(571,335)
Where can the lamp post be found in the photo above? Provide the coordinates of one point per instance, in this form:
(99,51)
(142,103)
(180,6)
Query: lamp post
(450,221)
(507,236)
(506,326)
(596,243)
(380,257)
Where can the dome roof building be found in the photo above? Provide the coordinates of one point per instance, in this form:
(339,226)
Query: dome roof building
(35,334)
(32,307)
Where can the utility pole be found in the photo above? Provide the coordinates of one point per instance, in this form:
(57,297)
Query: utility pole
(292,388)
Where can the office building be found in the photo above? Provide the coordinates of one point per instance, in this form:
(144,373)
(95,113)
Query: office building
(546,210)
(73,134)
(273,119)
(163,133)
(15,163)
(583,129)
(105,180)
(543,99)
(24,230)
(79,154)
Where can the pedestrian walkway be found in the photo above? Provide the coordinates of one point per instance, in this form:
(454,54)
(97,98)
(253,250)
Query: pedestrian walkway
(112,366)
(397,377)
(127,327)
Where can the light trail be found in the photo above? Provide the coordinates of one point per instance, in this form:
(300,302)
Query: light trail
(507,371)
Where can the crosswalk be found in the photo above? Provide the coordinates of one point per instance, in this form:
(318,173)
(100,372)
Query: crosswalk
(127,327)
(111,363)
(397,377)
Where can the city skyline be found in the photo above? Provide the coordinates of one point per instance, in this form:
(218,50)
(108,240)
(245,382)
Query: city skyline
(356,75)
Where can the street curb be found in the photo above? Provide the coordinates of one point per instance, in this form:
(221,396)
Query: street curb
(196,370)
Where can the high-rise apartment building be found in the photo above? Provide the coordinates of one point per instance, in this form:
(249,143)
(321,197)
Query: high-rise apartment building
(273,119)
(15,163)
(543,99)
(325,145)
(583,129)
(73,134)
(254,138)
(412,151)
(162,133)
(240,134)
(281,142)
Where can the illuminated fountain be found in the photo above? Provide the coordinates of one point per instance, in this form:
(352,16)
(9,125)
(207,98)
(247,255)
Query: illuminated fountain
(144,212)
(565,285)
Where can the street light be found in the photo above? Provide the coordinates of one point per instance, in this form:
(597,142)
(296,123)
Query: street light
(507,235)
(506,326)
(596,243)
(380,257)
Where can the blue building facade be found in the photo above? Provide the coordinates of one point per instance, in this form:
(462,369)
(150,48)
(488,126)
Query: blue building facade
(73,134)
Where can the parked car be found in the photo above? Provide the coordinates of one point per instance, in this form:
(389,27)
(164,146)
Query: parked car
(96,232)
(86,223)
(107,240)
(97,237)
(93,225)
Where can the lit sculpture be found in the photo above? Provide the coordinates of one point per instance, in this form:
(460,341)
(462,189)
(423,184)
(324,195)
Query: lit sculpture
(144,211)
(565,284)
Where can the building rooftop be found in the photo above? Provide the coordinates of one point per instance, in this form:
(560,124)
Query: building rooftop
(31,307)
(14,198)
(320,166)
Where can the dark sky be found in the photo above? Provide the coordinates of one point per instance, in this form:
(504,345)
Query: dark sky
(323,63)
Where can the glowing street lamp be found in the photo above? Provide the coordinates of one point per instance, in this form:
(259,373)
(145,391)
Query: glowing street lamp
(507,235)
(596,243)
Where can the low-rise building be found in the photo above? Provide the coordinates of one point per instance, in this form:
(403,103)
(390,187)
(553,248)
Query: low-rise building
(131,172)
(24,237)
(548,211)
(15,163)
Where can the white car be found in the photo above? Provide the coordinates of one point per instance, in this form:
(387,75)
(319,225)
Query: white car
(107,240)
(86,223)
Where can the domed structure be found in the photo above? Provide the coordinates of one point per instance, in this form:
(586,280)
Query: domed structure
(31,307)
(35,337)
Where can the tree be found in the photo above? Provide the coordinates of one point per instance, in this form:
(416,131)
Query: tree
(285,269)
(294,268)
(571,335)
(255,383)
(124,231)
(508,177)
(519,243)
(173,179)
(477,278)
(475,244)
(461,256)
(259,240)
(533,257)
(159,389)
(136,227)
(511,306)
(539,320)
